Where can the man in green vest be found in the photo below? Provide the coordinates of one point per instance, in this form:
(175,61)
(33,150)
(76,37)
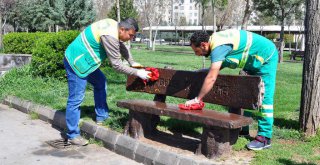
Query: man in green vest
(256,55)
(83,57)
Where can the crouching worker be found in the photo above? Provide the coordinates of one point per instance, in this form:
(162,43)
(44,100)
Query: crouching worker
(253,53)
(83,57)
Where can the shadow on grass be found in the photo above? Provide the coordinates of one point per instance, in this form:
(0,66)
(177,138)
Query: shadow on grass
(182,127)
(290,162)
(286,123)
(168,63)
(117,119)
(175,140)
(281,122)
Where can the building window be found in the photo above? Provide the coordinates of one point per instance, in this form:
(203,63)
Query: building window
(181,7)
(195,14)
(190,15)
(176,7)
(191,1)
(195,22)
(190,8)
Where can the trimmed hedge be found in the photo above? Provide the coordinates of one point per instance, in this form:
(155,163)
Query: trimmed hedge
(21,43)
(47,56)
(47,50)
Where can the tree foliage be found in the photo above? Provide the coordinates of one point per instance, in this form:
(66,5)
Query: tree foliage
(78,13)
(127,10)
(41,15)
(280,9)
(215,5)
(5,7)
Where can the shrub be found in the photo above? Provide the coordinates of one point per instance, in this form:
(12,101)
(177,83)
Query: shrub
(21,43)
(48,53)
(272,36)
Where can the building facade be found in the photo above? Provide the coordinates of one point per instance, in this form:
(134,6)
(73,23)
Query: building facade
(182,12)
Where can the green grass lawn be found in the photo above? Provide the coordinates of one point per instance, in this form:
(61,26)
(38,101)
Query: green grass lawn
(288,147)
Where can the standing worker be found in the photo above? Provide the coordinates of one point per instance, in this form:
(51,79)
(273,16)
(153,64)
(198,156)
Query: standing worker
(83,58)
(256,55)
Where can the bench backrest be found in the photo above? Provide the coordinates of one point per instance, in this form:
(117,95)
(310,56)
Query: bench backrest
(229,90)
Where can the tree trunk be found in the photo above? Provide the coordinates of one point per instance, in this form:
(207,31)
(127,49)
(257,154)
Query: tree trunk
(310,94)
(246,16)
(154,39)
(118,10)
(282,38)
(150,38)
(1,44)
(289,39)
(213,2)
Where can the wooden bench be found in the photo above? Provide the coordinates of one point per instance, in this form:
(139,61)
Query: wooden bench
(298,53)
(220,129)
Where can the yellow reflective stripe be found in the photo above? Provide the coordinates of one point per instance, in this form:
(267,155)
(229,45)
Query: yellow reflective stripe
(225,37)
(267,114)
(234,60)
(105,27)
(264,106)
(235,34)
(246,50)
(260,59)
(89,48)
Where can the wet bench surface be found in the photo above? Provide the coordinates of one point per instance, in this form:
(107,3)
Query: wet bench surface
(220,129)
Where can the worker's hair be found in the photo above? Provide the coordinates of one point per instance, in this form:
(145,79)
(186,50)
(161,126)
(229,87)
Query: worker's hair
(129,23)
(198,37)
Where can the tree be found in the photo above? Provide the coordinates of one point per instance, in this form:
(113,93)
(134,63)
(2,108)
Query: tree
(78,13)
(152,12)
(203,4)
(310,95)
(228,13)
(23,16)
(127,10)
(43,15)
(280,9)
(247,13)
(102,8)
(5,7)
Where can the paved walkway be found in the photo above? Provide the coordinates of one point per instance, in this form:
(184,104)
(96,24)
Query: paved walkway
(23,142)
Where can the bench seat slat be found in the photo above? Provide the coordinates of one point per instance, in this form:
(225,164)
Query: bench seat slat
(207,117)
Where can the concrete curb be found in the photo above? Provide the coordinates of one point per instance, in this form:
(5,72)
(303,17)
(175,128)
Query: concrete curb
(114,141)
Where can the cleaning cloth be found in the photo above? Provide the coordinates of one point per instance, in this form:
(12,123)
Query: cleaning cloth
(194,106)
(154,75)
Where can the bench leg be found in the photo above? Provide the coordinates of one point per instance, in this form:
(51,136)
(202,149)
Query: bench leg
(140,123)
(216,141)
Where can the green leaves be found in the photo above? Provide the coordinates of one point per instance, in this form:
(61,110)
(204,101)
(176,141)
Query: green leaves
(40,15)
(127,10)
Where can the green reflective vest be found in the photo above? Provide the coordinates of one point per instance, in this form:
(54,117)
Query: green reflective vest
(85,53)
(250,50)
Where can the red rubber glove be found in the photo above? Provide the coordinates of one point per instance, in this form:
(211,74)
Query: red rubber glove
(154,74)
